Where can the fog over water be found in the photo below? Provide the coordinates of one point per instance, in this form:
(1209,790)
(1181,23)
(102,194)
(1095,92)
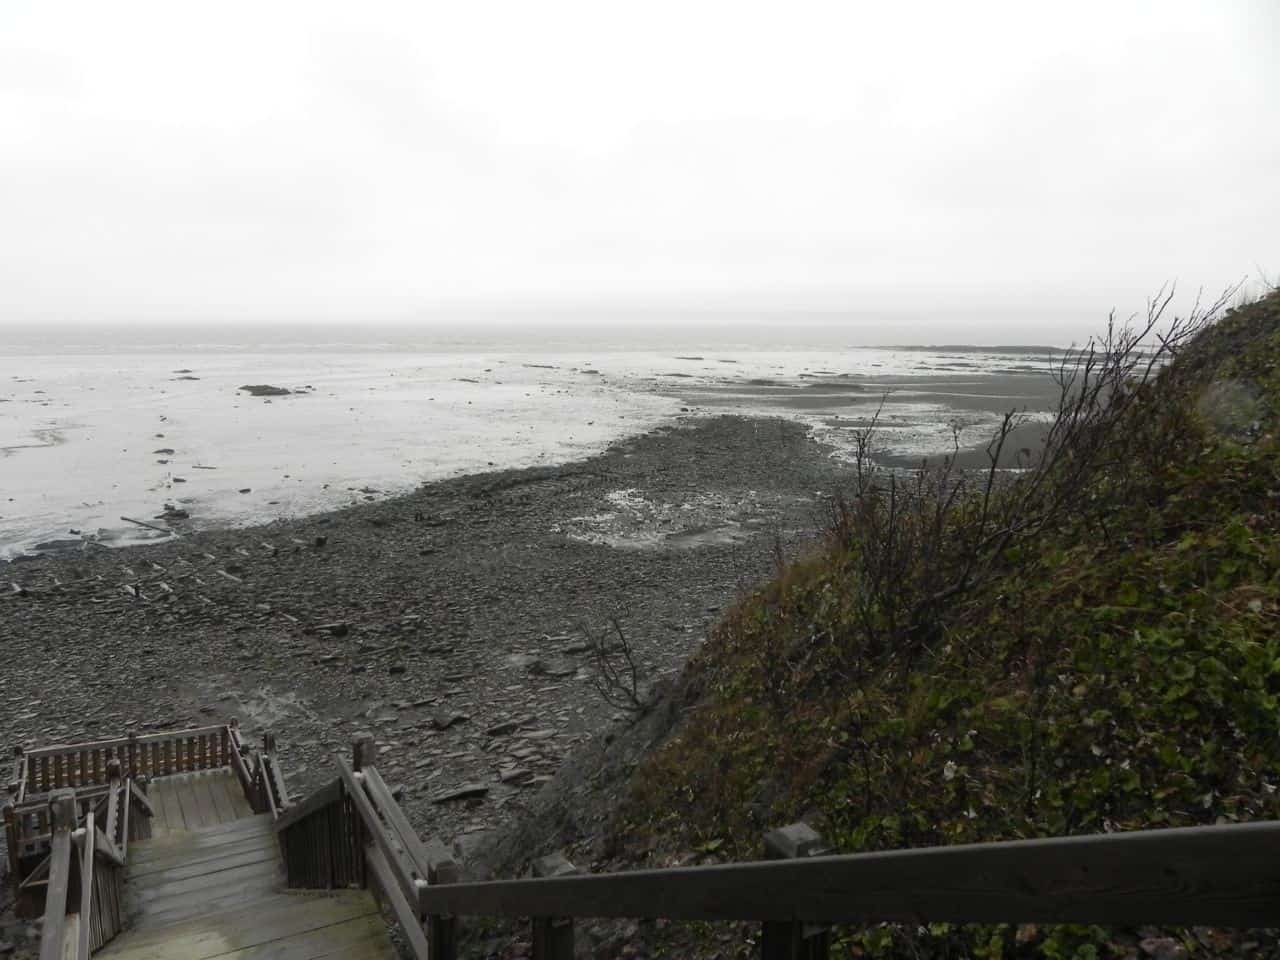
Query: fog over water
(940,162)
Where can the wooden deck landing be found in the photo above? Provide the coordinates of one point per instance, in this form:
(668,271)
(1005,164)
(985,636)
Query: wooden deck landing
(209,883)
(196,801)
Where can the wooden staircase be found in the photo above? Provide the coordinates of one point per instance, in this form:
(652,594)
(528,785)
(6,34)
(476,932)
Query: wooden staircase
(216,890)
(169,847)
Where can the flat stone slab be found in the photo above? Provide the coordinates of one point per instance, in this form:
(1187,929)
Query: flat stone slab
(464,792)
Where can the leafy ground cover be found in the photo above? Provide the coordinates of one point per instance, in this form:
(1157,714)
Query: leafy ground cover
(1116,667)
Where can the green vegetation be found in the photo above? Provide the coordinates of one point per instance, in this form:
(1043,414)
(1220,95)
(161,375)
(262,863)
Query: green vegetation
(1113,663)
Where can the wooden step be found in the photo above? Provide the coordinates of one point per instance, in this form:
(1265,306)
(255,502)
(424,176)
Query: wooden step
(190,856)
(281,927)
(197,844)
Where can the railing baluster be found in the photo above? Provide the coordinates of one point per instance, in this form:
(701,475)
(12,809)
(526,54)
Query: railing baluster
(553,936)
(442,935)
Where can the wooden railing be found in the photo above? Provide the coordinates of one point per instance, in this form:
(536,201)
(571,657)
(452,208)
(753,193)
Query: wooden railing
(84,871)
(142,755)
(86,767)
(267,790)
(91,771)
(352,833)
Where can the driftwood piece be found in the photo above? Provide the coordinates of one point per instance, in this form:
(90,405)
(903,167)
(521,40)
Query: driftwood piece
(150,526)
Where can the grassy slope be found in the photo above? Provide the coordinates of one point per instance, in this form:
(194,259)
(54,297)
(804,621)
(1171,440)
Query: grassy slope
(1121,672)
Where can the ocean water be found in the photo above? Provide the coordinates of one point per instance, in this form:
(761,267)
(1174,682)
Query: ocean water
(100,424)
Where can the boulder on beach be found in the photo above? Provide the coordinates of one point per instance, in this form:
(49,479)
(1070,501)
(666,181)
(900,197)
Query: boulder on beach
(265,390)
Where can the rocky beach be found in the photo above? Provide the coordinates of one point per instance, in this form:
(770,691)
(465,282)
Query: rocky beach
(451,622)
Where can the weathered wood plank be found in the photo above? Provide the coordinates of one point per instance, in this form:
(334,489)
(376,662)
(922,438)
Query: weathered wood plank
(398,859)
(195,796)
(192,896)
(216,784)
(330,793)
(276,916)
(112,825)
(192,857)
(126,813)
(104,846)
(181,843)
(241,769)
(55,911)
(234,859)
(387,806)
(202,903)
(1216,876)
(164,799)
(404,909)
(140,799)
(259,873)
(69,938)
(116,743)
(348,938)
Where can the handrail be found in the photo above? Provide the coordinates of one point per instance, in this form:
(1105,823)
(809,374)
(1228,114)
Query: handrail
(82,765)
(96,899)
(97,791)
(319,799)
(55,909)
(126,803)
(406,872)
(160,737)
(113,805)
(272,778)
(1226,876)
(106,847)
(17,787)
(239,767)
(352,832)
(87,866)
(401,906)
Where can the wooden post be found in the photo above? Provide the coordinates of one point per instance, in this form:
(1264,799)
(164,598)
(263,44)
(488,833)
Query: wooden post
(62,821)
(553,936)
(442,929)
(133,754)
(791,939)
(21,772)
(364,751)
(11,838)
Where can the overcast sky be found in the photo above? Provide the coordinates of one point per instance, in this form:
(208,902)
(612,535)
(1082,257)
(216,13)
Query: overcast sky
(369,160)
